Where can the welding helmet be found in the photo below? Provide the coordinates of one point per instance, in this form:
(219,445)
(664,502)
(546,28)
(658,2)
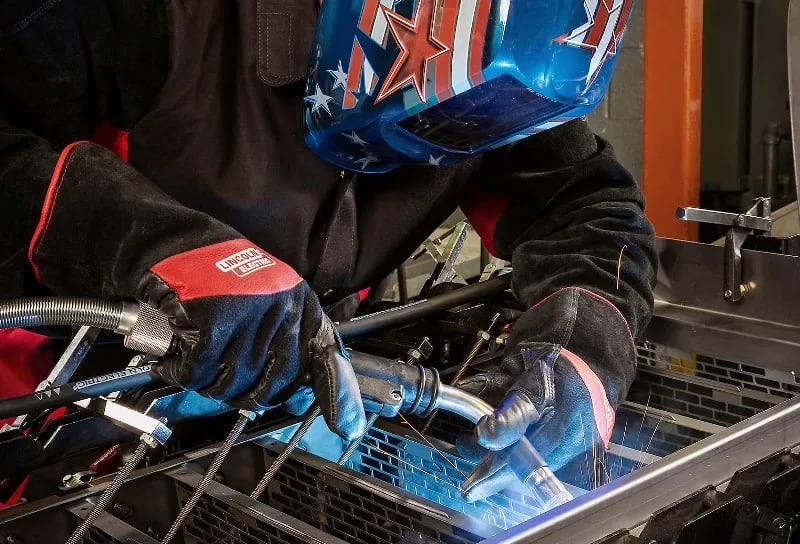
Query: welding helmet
(393,82)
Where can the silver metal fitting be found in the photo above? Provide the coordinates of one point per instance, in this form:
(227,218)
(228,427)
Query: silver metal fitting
(145,328)
(155,431)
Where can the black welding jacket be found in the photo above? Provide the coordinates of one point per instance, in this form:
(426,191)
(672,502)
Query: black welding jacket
(208,94)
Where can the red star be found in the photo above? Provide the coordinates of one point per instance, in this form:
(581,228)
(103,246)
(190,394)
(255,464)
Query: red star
(418,46)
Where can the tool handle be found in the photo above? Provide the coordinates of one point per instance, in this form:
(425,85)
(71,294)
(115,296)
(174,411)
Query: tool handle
(129,378)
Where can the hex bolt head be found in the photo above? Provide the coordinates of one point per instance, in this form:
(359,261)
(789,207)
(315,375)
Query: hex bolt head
(728,294)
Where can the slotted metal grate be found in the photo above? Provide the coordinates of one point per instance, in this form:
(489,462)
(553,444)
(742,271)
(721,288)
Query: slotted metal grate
(711,390)
(354,512)
(213,521)
(435,476)
(97,536)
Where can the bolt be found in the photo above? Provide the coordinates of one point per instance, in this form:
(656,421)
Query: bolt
(740,220)
(779,523)
(728,294)
(122,510)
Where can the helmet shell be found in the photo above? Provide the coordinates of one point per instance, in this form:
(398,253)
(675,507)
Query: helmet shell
(436,81)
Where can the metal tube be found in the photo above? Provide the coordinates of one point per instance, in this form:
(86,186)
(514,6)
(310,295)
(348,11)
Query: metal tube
(369,323)
(457,401)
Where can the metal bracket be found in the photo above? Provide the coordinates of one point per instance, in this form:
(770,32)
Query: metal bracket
(444,271)
(754,221)
(154,431)
(379,396)
(66,366)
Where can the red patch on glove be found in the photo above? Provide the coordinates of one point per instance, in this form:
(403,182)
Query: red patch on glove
(235,267)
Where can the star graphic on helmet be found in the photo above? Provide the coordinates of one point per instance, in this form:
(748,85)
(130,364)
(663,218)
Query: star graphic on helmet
(601,34)
(339,77)
(418,46)
(318,100)
(435,161)
(355,138)
(367,159)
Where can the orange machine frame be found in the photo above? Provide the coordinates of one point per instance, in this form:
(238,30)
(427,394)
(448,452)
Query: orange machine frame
(673,51)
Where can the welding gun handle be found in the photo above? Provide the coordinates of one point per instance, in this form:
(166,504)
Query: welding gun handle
(129,378)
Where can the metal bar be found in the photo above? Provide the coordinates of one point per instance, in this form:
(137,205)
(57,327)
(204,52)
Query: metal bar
(251,508)
(111,525)
(793,53)
(67,364)
(628,501)
(727,219)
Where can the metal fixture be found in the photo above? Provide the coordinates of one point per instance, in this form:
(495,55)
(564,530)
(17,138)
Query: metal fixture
(756,221)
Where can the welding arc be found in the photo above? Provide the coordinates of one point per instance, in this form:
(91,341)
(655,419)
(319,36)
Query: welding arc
(135,378)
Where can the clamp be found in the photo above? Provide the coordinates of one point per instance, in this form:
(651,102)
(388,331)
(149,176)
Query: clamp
(755,221)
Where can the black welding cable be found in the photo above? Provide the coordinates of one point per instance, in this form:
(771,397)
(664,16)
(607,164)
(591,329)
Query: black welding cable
(369,323)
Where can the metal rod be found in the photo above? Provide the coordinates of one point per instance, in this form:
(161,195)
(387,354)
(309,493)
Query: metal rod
(480,341)
(402,284)
(284,455)
(213,468)
(109,493)
(353,445)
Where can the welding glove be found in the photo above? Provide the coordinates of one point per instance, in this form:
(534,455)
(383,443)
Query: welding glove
(569,362)
(250,329)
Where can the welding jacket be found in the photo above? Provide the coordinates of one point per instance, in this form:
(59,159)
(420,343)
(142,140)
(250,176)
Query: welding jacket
(204,98)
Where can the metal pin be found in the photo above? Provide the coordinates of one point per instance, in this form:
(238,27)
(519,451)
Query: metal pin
(483,338)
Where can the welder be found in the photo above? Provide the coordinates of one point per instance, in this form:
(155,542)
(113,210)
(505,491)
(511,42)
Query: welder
(155,150)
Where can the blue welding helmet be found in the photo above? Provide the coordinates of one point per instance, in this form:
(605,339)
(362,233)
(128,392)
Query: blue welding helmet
(394,82)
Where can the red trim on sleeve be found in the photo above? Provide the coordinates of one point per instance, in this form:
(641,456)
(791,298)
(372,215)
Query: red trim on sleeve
(603,412)
(49,201)
(483,209)
(235,267)
(112,138)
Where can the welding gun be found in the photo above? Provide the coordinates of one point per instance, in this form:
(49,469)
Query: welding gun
(387,387)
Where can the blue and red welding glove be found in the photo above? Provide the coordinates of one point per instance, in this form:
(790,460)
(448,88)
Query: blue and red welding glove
(569,363)
(250,329)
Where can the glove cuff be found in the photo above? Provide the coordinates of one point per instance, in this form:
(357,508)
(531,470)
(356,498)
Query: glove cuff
(588,326)
(103,225)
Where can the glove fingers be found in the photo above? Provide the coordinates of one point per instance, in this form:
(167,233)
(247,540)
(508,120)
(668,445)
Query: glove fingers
(490,476)
(175,371)
(335,384)
(468,447)
(490,386)
(508,423)
(299,403)
(275,383)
